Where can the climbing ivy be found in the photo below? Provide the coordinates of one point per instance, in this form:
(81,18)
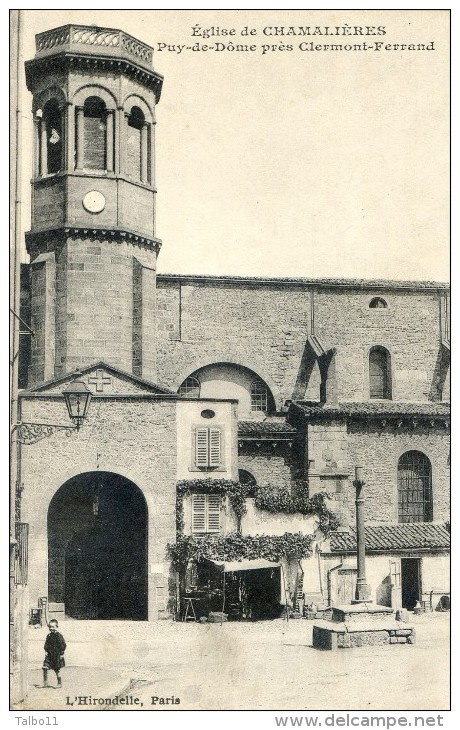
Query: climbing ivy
(267,498)
(238,547)
(279,499)
(235,492)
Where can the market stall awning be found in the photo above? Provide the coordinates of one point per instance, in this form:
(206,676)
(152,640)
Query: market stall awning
(237,565)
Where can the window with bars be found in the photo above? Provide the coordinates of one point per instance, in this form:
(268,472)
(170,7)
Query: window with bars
(379,373)
(190,387)
(208,447)
(205,513)
(259,396)
(415,501)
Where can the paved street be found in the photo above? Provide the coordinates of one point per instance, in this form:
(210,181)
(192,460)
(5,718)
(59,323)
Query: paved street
(267,665)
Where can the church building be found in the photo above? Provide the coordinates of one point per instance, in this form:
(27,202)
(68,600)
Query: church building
(221,419)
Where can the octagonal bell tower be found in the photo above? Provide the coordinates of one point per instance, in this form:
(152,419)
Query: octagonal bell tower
(92,241)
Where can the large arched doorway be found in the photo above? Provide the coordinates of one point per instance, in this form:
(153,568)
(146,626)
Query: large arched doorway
(97,548)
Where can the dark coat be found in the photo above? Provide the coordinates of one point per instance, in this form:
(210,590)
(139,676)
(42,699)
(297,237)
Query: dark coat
(55,647)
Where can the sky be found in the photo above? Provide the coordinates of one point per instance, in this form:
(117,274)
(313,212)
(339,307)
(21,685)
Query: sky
(279,162)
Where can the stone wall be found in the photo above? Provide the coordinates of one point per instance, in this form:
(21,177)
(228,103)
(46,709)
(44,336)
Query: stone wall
(264,326)
(378,450)
(133,437)
(189,418)
(84,298)
(408,328)
(268,465)
(435,573)
(48,210)
(260,327)
(334,449)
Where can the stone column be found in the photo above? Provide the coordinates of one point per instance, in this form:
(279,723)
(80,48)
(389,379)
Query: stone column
(69,161)
(43,148)
(118,140)
(144,153)
(36,171)
(152,154)
(362,593)
(79,112)
(109,141)
(123,124)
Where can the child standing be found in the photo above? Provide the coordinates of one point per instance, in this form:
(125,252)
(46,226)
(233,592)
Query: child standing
(54,653)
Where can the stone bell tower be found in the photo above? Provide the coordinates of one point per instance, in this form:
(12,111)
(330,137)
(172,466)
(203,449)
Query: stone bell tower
(92,241)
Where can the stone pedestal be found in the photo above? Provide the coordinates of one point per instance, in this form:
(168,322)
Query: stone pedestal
(354,625)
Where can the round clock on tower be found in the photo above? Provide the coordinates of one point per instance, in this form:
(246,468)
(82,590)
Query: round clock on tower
(92,241)
(94,201)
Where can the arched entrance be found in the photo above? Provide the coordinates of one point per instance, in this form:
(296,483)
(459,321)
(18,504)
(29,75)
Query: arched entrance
(97,548)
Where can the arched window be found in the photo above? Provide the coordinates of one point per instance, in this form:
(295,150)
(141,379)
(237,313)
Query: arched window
(378,303)
(415,501)
(94,134)
(247,479)
(190,387)
(259,396)
(135,143)
(52,137)
(379,373)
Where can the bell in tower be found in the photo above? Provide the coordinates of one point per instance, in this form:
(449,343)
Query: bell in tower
(92,241)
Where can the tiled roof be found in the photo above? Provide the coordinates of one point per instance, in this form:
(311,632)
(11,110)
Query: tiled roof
(270,428)
(374,409)
(346,283)
(383,538)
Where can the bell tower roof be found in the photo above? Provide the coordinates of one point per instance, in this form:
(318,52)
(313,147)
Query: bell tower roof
(92,46)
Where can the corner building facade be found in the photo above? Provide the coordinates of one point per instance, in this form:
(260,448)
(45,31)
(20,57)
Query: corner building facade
(282,386)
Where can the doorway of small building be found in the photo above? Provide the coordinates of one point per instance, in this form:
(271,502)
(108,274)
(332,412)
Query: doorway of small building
(255,594)
(97,548)
(410,582)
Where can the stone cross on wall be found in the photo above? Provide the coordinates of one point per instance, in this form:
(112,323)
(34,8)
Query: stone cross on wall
(99,380)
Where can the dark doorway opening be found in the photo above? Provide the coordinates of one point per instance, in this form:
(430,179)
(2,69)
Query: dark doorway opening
(97,548)
(410,582)
(253,594)
(263,593)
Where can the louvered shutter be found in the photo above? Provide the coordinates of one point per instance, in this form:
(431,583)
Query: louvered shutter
(214,447)
(208,447)
(199,513)
(201,446)
(213,503)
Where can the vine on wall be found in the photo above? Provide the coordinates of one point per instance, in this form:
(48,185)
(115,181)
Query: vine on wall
(238,547)
(267,498)
(235,492)
(280,500)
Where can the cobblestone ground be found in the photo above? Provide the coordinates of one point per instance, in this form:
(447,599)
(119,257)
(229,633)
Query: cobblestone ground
(268,665)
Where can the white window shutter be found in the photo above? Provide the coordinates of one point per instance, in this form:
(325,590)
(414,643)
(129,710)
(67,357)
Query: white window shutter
(201,446)
(213,513)
(214,447)
(199,513)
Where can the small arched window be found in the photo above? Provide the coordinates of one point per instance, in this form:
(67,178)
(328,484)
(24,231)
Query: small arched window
(415,501)
(379,373)
(247,479)
(259,396)
(94,134)
(52,121)
(135,143)
(190,387)
(378,303)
